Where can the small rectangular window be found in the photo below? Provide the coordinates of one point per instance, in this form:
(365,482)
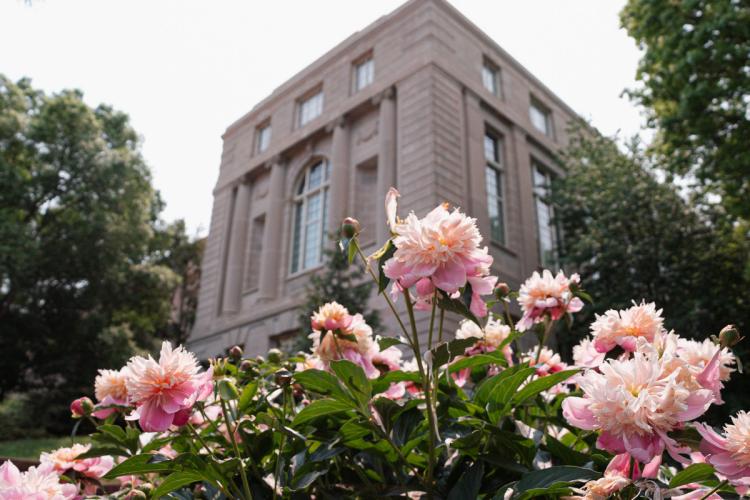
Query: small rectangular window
(547,233)
(540,117)
(364,73)
(310,108)
(262,138)
(254,253)
(494,184)
(491,77)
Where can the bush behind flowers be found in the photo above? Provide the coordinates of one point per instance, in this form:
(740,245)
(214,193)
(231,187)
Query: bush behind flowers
(468,414)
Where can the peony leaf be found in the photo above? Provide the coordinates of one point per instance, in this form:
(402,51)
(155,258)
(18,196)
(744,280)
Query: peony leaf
(694,473)
(319,408)
(175,481)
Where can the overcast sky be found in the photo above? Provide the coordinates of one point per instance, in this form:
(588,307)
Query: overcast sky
(185,69)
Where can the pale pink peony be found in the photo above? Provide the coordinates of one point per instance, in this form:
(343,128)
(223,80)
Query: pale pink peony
(350,339)
(634,405)
(37,483)
(488,338)
(439,251)
(623,328)
(616,477)
(585,354)
(549,361)
(547,296)
(65,459)
(164,392)
(111,389)
(730,453)
(391,205)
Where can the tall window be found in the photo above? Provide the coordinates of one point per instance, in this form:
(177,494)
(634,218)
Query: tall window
(546,228)
(494,178)
(491,77)
(310,108)
(364,73)
(310,209)
(262,138)
(540,117)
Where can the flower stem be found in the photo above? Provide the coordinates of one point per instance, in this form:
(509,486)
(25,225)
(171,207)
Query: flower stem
(509,319)
(243,474)
(547,328)
(440,325)
(210,452)
(717,488)
(432,321)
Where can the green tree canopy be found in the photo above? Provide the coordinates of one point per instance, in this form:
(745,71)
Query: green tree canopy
(696,90)
(87,270)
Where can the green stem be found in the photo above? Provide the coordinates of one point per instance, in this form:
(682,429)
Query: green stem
(210,452)
(509,319)
(243,474)
(283,440)
(426,387)
(440,326)
(717,488)
(547,328)
(432,320)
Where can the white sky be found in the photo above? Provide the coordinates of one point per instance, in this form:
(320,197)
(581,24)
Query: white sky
(185,69)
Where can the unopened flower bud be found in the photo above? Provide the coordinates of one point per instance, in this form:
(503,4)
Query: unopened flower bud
(283,377)
(350,228)
(260,359)
(227,389)
(146,488)
(501,290)
(246,365)
(729,336)
(235,352)
(274,356)
(81,407)
(136,495)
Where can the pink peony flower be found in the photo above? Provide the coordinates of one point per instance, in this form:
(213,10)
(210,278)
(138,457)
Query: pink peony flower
(488,338)
(165,392)
(585,354)
(439,251)
(333,344)
(624,328)
(111,389)
(634,404)
(730,453)
(549,361)
(616,477)
(545,295)
(65,459)
(37,483)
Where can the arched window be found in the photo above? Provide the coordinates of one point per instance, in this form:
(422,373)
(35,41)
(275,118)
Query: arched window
(310,210)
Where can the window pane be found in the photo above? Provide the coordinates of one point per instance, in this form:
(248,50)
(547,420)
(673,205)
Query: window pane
(489,79)
(310,108)
(364,74)
(316,176)
(490,148)
(539,118)
(296,236)
(264,138)
(495,204)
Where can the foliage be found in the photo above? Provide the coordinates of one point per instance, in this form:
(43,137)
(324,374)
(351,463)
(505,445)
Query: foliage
(696,90)
(339,282)
(87,270)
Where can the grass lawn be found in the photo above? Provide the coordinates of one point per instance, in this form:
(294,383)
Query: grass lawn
(31,448)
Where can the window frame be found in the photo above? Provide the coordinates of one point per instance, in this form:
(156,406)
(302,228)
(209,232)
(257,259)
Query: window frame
(498,198)
(303,101)
(260,130)
(536,105)
(356,65)
(543,198)
(494,70)
(300,222)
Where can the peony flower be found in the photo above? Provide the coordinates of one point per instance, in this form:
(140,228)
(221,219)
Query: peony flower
(164,392)
(488,338)
(585,354)
(391,204)
(111,389)
(439,251)
(351,338)
(633,404)
(544,295)
(64,459)
(549,361)
(623,328)
(37,483)
(730,453)
(616,477)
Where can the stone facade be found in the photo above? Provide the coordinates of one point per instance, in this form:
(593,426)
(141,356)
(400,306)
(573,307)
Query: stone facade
(410,101)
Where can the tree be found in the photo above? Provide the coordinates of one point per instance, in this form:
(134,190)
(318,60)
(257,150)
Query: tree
(633,237)
(696,90)
(341,283)
(84,280)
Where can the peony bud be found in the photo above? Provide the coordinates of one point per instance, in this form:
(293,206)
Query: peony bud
(729,336)
(235,353)
(274,356)
(502,290)
(81,407)
(283,377)
(227,389)
(350,228)
(246,365)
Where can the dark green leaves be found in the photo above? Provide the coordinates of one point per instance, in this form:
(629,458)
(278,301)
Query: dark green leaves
(175,481)
(447,351)
(694,473)
(542,384)
(457,306)
(319,408)
(354,379)
(551,481)
(139,464)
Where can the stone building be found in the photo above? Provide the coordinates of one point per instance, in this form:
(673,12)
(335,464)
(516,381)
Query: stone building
(422,100)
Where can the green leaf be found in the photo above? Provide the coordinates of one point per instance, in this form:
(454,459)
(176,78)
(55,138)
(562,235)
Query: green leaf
(352,250)
(566,454)
(115,431)
(319,408)
(694,473)
(382,256)
(447,351)
(478,360)
(103,451)
(542,384)
(469,484)
(138,464)
(248,392)
(323,383)
(354,378)
(485,388)
(457,306)
(387,342)
(536,482)
(175,481)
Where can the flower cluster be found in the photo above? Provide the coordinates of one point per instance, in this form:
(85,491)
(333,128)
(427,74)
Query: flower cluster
(37,483)
(438,252)
(546,296)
